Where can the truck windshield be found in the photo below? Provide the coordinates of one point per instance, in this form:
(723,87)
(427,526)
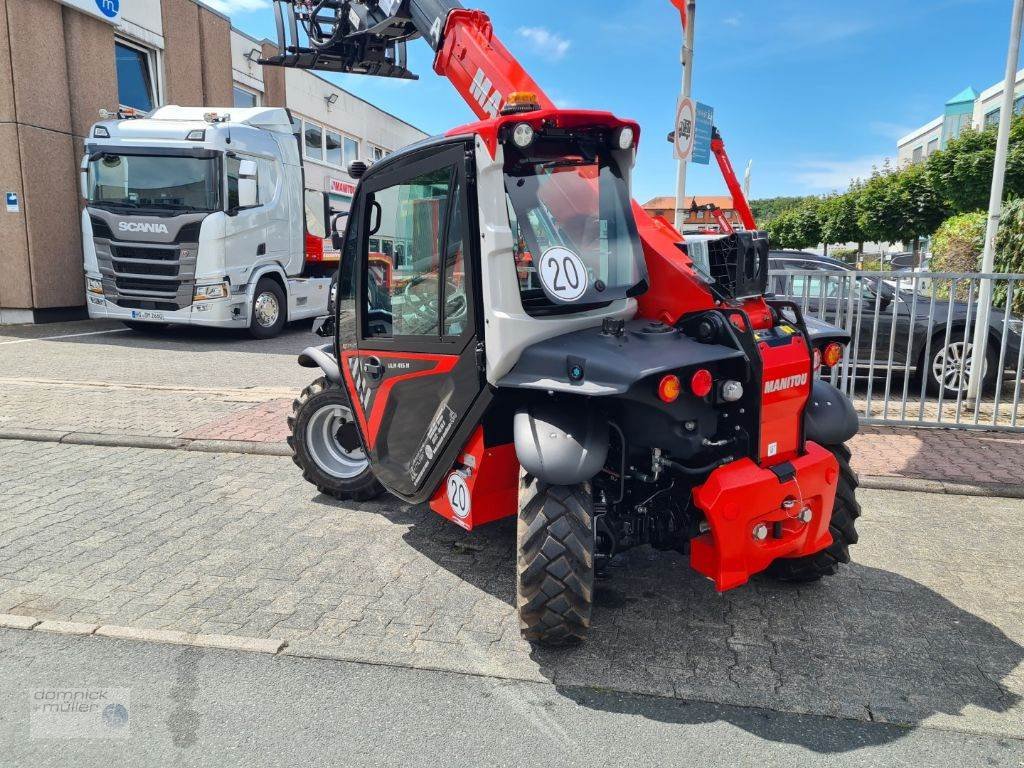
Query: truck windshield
(576,244)
(172,183)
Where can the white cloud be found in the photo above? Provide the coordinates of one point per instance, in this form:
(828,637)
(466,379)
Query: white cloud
(828,175)
(733,21)
(237,6)
(549,44)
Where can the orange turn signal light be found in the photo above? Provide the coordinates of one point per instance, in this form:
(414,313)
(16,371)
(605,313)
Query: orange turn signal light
(669,388)
(832,355)
(701,383)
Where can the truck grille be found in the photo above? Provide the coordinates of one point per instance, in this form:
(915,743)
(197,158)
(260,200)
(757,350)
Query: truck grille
(145,276)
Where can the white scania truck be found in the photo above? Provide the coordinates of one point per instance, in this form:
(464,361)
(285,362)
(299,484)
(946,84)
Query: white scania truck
(200,217)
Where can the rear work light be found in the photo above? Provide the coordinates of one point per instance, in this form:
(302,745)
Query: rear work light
(832,355)
(669,389)
(701,383)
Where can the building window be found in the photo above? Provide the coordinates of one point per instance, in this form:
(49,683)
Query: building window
(332,145)
(378,154)
(244,98)
(136,77)
(351,151)
(992,118)
(314,141)
(933,146)
(918,155)
(1018,105)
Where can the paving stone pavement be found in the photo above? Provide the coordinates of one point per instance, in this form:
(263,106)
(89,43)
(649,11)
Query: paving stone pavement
(926,627)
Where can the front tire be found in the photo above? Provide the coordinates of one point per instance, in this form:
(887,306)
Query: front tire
(842,527)
(269,310)
(325,444)
(555,562)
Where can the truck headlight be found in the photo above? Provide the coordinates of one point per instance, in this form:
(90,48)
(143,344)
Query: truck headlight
(211,291)
(93,285)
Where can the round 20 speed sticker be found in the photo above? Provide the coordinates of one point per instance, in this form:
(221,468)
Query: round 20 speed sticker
(458,495)
(563,274)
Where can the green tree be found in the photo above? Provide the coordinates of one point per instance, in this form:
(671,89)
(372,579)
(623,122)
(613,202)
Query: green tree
(767,209)
(797,228)
(879,210)
(838,217)
(958,243)
(899,205)
(1010,254)
(962,172)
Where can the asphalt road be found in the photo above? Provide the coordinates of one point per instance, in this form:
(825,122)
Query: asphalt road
(176,357)
(220,708)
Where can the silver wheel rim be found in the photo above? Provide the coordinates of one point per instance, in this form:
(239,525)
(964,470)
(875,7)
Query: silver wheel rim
(325,448)
(266,309)
(951,366)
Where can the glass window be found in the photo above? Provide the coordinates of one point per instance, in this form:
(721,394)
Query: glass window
(918,155)
(314,141)
(351,151)
(134,78)
(406,301)
(456,303)
(262,185)
(933,146)
(245,98)
(1018,105)
(378,154)
(332,145)
(992,118)
(151,182)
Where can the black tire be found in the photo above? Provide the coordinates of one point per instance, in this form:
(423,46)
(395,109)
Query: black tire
(842,527)
(317,399)
(141,327)
(555,562)
(927,366)
(267,290)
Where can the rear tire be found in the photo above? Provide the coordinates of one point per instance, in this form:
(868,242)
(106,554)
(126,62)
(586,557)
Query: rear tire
(317,418)
(555,562)
(842,527)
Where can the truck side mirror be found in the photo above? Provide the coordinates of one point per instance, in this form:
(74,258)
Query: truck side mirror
(248,191)
(337,236)
(83,178)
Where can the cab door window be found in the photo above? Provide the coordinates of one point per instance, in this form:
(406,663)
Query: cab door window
(404,297)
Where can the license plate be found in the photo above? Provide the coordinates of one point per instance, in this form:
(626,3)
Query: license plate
(138,314)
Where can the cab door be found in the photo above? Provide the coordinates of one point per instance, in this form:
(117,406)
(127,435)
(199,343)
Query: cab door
(415,375)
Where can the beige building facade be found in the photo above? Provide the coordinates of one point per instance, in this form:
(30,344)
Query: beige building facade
(61,62)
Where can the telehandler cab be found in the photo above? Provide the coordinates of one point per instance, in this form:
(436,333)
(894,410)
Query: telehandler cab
(537,345)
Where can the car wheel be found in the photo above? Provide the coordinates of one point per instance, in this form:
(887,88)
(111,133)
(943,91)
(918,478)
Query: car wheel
(948,369)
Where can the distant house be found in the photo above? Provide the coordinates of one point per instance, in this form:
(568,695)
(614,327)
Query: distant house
(696,220)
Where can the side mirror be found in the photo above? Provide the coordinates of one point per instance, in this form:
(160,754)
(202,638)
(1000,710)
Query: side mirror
(83,178)
(338,236)
(316,213)
(248,190)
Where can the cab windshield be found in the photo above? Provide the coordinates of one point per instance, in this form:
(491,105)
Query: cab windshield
(576,244)
(154,182)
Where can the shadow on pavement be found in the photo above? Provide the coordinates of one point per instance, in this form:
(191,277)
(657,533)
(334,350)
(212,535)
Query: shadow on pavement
(867,644)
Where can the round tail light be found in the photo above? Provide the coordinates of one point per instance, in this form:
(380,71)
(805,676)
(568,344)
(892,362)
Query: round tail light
(669,389)
(701,383)
(832,355)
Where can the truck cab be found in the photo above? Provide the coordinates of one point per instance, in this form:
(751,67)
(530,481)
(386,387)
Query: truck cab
(200,217)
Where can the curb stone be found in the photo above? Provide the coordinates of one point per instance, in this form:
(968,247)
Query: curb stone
(174,637)
(11,621)
(66,627)
(920,485)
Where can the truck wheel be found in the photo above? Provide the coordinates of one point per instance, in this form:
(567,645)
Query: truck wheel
(555,563)
(269,309)
(842,527)
(325,444)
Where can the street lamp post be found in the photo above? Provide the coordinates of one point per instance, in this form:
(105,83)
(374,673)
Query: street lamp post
(979,347)
(689,16)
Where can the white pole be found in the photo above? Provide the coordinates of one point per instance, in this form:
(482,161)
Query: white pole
(995,207)
(746,179)
(687,59)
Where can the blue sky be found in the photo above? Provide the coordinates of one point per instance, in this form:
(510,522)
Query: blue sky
(814,93)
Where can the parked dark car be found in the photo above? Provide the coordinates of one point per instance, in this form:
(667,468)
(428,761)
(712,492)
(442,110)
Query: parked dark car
(948,361)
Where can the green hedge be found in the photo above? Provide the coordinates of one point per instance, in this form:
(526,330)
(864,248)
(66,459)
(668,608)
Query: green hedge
(1010,253)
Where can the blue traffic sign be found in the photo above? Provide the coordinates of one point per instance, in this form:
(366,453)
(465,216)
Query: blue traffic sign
(702,134)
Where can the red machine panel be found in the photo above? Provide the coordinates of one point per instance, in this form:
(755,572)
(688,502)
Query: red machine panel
(483,487)
(785,387)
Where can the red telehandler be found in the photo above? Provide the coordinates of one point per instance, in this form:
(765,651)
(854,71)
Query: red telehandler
(539,346)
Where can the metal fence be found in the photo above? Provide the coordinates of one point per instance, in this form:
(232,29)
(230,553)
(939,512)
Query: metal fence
(911,354)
